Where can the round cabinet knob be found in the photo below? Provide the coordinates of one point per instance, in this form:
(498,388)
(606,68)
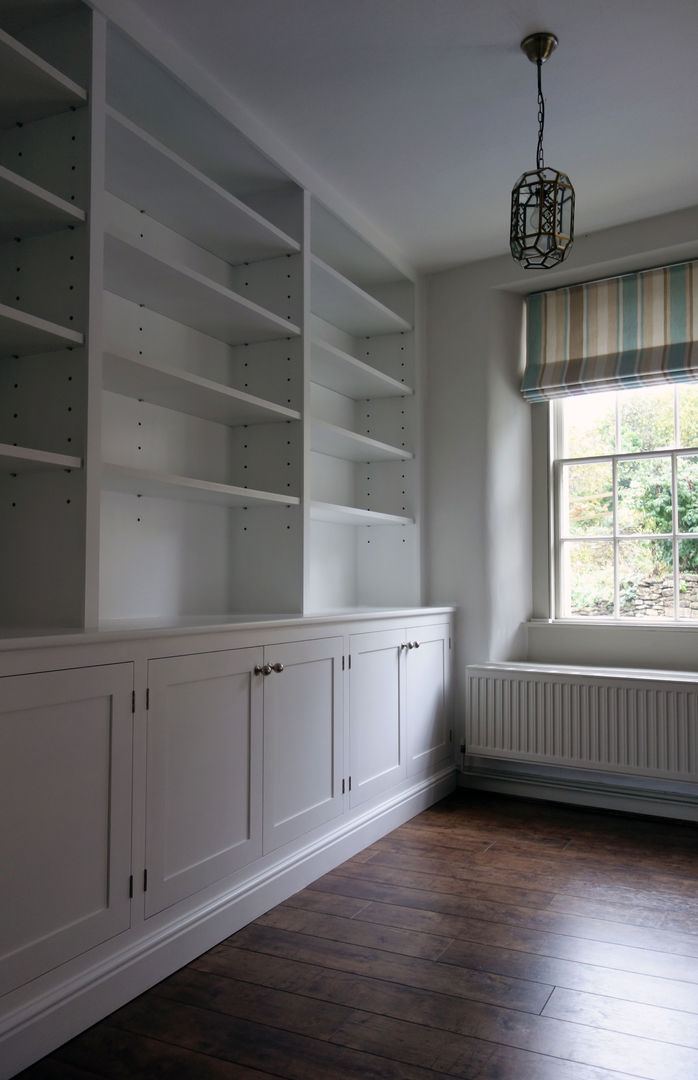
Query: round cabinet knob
(408,645)
(277,668)
(262,669)
(414,645)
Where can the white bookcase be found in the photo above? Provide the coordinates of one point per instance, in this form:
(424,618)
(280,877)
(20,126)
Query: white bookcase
(208,382)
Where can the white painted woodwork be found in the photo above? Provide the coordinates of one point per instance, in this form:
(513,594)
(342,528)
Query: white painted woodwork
(26,209)
(428,697)
(339,301)
(65,799)
(326,438)
(354,515)
(167,486)
(377,750)
(20,459)
(338,370)
(24,334)
(185,392)
(31,88)
(144,172)
(303,735)
(178,292)
(204,771)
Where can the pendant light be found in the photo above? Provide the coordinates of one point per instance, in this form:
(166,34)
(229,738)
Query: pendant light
(542,202)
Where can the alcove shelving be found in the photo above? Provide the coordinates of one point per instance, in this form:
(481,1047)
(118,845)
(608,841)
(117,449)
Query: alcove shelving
(363,477)
(44,286)
(203,360)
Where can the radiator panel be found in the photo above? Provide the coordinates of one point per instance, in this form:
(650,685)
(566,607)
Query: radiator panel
(619,722)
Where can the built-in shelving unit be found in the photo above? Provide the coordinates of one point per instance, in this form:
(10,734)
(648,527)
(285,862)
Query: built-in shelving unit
(44,286)
(209,390)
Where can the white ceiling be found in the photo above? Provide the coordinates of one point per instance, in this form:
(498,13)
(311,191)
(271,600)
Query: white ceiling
(422,114)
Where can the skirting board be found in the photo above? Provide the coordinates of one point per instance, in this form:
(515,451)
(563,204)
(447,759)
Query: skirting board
(604,792)
(45,1021)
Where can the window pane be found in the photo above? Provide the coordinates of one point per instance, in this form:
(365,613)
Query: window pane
(644,496)
(688,416)
(587,491)
(646,419)
(589,425)
(687,492)
(645,579)
(688,579)
(587,579)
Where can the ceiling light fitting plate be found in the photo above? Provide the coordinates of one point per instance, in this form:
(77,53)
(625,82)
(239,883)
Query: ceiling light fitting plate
(539,46)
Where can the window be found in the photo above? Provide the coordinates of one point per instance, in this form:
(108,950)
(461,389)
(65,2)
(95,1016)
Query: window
(625,503)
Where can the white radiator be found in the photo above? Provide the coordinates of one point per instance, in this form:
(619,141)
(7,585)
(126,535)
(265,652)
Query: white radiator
(589,718)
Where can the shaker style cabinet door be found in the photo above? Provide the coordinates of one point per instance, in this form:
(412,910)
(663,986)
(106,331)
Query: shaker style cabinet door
(302,738)
(377,753)
(427,670)
(65,806)
(204,771)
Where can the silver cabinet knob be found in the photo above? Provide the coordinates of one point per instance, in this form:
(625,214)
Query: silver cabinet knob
(414,645)
(262,669)
(277,668)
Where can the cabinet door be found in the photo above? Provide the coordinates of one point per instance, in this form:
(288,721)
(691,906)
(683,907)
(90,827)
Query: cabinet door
(302,739)
(65,806)
(427,669)
(377,720)
(204,771)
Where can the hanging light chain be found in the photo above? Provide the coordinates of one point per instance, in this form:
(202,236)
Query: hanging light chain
(541,118)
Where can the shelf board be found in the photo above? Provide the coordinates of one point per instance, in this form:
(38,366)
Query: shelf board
(30,88)
(336,514)
(135,272)
(146,174)
(29,210)
(22,334)
(23,459)
(336,243)
(339,442)
(339,301)
(345,374)
(189,393)
(187,489)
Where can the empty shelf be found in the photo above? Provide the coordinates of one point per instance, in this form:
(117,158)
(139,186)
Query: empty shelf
(345,374)
(22,459)
(29,210)
(22,334)
(146,174)
(167,486)
(352,515)
(135,272)
(341,443)
(30,88)
(189,393)
(338,301)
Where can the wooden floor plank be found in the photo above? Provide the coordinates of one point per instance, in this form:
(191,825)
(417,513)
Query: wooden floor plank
(488,939)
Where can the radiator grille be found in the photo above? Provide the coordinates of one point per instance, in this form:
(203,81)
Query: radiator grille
(586,719)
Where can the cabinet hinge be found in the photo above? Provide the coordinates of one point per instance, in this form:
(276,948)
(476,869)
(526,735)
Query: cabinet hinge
(350,783)
(130,887)
(350,661)
(343,786)
(449,643)
(147,697)
(342,663)
(133,701)
(145,880)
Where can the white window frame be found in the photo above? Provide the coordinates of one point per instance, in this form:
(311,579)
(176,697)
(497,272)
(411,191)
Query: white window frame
(556,463)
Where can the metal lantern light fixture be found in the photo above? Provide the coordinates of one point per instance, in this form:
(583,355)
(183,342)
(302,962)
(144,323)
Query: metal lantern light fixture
(542,202)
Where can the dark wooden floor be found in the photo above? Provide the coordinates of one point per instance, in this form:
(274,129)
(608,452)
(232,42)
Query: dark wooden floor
(489,939)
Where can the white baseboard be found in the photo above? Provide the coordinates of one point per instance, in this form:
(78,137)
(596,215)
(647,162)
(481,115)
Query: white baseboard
(577,787)
(44,1019)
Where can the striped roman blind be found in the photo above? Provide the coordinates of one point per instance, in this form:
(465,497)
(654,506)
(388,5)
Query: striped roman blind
(622,332)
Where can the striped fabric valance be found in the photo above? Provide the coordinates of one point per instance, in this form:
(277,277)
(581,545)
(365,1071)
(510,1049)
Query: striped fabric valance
(622,332)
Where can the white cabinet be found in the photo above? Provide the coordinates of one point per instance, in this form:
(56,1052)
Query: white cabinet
(204,771)
(65,805)
(303,735)
(427,659)
(399,693)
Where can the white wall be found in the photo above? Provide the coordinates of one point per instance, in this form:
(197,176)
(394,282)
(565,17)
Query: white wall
(487,528)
